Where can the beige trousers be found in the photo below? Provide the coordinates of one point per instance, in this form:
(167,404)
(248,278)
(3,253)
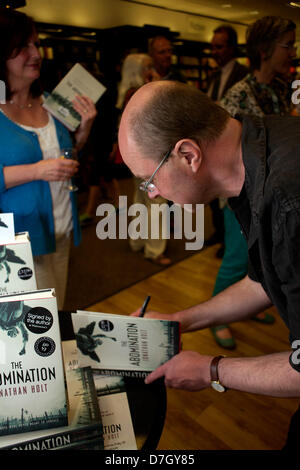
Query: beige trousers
(52,269)
(152,247)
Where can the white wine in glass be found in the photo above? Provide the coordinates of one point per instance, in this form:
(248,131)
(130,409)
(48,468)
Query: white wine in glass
(71,154)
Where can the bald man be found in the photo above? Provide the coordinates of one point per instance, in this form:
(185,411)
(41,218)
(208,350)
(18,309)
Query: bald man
(197,152)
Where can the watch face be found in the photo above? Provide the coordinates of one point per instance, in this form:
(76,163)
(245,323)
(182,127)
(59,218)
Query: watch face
(217,386)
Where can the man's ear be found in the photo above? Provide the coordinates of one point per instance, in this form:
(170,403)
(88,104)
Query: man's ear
(190,153)
(263,55)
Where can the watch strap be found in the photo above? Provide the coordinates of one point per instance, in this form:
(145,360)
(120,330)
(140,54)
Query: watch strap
(214,374)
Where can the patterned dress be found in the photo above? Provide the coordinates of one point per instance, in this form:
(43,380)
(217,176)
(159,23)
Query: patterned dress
(257,99)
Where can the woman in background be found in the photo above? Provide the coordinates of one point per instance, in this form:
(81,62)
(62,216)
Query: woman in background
(32,177)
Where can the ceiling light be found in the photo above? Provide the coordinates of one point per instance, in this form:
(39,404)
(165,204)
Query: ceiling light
(226,5)
(294,4)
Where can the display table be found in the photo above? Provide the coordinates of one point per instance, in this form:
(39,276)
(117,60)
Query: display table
(147,402)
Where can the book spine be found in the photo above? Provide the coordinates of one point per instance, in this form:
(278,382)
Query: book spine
(60,439)
(124,373)
(88,444)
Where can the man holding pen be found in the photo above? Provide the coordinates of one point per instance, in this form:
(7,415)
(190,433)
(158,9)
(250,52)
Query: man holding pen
(196,153)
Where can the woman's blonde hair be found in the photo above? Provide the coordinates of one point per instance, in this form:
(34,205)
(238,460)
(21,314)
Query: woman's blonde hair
(131,75)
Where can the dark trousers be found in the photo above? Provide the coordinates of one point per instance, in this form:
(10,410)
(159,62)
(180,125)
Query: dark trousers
(292,442)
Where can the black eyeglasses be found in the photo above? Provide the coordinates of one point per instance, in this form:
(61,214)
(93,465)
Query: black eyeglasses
(148,186)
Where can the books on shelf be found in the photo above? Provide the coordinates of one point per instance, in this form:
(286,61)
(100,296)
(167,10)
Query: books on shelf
(85,427)
(118,431)
(32,387)
(124,345)
(17,272)
(78,81)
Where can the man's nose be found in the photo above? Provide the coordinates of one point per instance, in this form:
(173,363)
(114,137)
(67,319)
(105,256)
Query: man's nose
(153,194)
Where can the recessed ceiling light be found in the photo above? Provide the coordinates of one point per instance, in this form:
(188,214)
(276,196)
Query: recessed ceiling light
(294,4)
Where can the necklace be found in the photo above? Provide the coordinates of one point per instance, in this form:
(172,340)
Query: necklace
(21,106)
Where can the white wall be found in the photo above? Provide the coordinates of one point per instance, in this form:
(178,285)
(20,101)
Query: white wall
(109,13)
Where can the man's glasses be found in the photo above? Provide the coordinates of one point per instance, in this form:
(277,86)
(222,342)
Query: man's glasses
(148,186)
(290,47)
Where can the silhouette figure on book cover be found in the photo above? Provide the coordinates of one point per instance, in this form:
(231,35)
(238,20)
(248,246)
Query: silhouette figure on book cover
(12,321)
(3,224)
(87,342)
(8,256)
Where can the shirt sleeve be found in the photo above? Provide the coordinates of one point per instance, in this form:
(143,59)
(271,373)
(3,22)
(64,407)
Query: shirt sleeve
(286,256)
(231,100)
(240,100)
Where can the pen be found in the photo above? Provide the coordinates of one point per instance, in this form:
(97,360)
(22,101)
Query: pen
(143,309)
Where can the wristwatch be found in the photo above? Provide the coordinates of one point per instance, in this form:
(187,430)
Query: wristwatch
(214,375)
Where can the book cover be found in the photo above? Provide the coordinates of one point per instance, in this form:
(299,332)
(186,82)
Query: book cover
(17,272)
(32,386)
(54,439)
(83,405)
(7,228)
(124,345)
(84,430)
(78,81)
(118,432)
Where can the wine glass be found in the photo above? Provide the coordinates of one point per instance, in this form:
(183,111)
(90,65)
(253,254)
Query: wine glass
(70,153)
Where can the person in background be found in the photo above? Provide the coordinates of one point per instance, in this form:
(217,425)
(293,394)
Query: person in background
(160,50)
(224,50)
(254,162)
(270,49)
(137,70)
(100,171)
(32,177)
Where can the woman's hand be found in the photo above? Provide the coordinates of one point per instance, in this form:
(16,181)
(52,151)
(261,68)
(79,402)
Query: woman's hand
(56,169)
(87,110)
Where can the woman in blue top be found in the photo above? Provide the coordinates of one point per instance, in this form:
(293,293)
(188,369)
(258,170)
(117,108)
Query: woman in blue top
(32,178)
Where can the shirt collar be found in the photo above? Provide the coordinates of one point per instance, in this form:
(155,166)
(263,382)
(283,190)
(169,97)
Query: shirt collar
(228,67)
(254,159)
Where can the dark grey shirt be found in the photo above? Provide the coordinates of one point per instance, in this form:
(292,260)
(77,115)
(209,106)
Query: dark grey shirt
(268,210)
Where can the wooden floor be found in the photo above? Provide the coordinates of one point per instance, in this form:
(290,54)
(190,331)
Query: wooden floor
(208,420)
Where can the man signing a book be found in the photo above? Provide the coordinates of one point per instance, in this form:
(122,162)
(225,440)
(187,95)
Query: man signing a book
(212,155)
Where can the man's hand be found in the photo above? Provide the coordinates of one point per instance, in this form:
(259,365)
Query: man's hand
(154,314)
(187,370)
